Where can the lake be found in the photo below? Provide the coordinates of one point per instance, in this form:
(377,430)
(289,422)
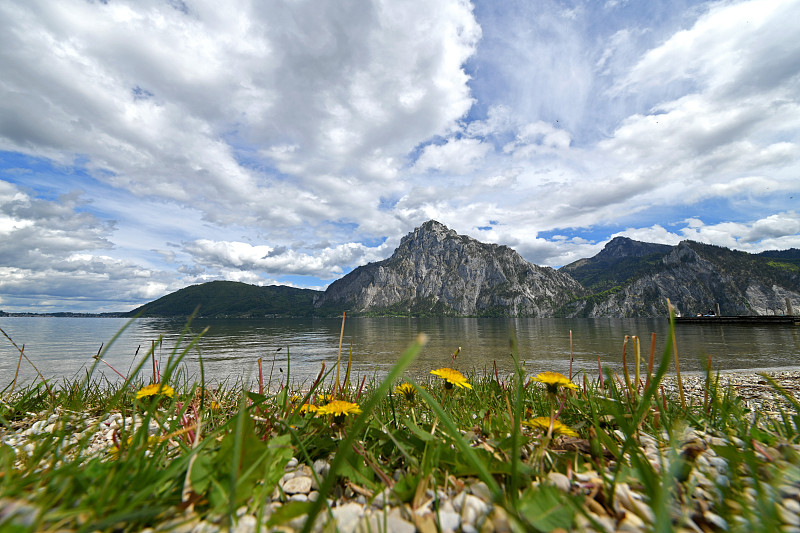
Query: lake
(64,347)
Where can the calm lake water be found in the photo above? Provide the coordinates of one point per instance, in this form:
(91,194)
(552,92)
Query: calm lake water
(64,347)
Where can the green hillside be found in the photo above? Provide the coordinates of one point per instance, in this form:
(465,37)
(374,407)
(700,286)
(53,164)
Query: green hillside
(232,299)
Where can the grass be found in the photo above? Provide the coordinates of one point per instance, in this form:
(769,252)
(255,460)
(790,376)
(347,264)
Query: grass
(216,452)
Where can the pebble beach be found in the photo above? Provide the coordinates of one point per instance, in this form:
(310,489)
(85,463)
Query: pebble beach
(464,504)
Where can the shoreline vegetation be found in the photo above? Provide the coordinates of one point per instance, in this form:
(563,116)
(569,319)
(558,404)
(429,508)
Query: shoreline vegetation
(644,449)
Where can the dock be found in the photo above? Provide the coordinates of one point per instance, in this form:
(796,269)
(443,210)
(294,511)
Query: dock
(741,319)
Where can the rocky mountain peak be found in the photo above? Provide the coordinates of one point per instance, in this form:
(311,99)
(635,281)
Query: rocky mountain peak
(435,270)
(427,234)
(620,247)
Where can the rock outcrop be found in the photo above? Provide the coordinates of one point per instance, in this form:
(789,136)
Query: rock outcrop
(696,278)
(435,271)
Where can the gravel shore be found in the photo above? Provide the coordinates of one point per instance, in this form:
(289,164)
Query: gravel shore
(752,387)
(464,504)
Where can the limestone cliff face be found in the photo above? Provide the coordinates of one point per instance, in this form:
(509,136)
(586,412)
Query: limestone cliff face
(696,277)
(437,271)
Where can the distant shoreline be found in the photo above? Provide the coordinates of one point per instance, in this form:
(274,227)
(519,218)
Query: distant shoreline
(4,314)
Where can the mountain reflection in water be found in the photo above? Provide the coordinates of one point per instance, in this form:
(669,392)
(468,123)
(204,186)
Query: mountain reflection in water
(64,347)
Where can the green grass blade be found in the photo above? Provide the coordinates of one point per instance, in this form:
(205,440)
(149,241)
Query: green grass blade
(345,448)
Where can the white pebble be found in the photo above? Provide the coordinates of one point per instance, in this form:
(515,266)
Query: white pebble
(297,485)
(561,481)
(449,520)
(247,524)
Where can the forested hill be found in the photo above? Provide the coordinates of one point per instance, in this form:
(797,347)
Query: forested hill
(232,299)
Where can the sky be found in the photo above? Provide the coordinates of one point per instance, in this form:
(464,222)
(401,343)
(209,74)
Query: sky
(148,145)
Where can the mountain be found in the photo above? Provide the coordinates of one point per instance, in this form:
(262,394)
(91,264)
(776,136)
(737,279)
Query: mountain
(231,299)
(621,260)
(435,271)
(633,279)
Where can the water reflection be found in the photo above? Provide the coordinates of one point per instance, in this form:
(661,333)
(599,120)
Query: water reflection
(230,349)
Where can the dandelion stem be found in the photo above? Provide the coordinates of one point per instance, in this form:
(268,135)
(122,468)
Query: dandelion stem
(600,371)
(650,361)
(112,368)
(625,364)
(339,359)
(570,354)
(638,353)
(19,363)
(675,352)
(260,378)
(153,357)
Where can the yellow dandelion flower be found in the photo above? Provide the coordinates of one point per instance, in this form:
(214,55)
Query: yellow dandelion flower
(294,398)
(154,389)
(543,423)
(339,409)
(322,398)
(554,380)
(308,408)
(452,377)
(407,391)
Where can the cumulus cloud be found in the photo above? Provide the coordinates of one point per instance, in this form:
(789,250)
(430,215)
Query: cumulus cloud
(710,123)
(54,255)
(170,102)
(737,115)
(274,140)
(240,256)
(774,232)
(456,156)
(32,230)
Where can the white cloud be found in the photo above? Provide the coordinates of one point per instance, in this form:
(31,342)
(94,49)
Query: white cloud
(774,232)
(456,156)
(536,138)
(778,231)
(232,256)
(729,133)
(735,47)
(52,257)
(162,102)
(266,140)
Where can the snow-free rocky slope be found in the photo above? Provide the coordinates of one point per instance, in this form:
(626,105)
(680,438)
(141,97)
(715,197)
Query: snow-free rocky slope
(634,279)
(435,271)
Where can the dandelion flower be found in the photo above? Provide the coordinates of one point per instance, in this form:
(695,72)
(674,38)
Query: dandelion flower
(543,423)
(452,377)
(295,398)
(322,398)
(339,409)
(154,389)
(407,390)
(308,408)
(554,380)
